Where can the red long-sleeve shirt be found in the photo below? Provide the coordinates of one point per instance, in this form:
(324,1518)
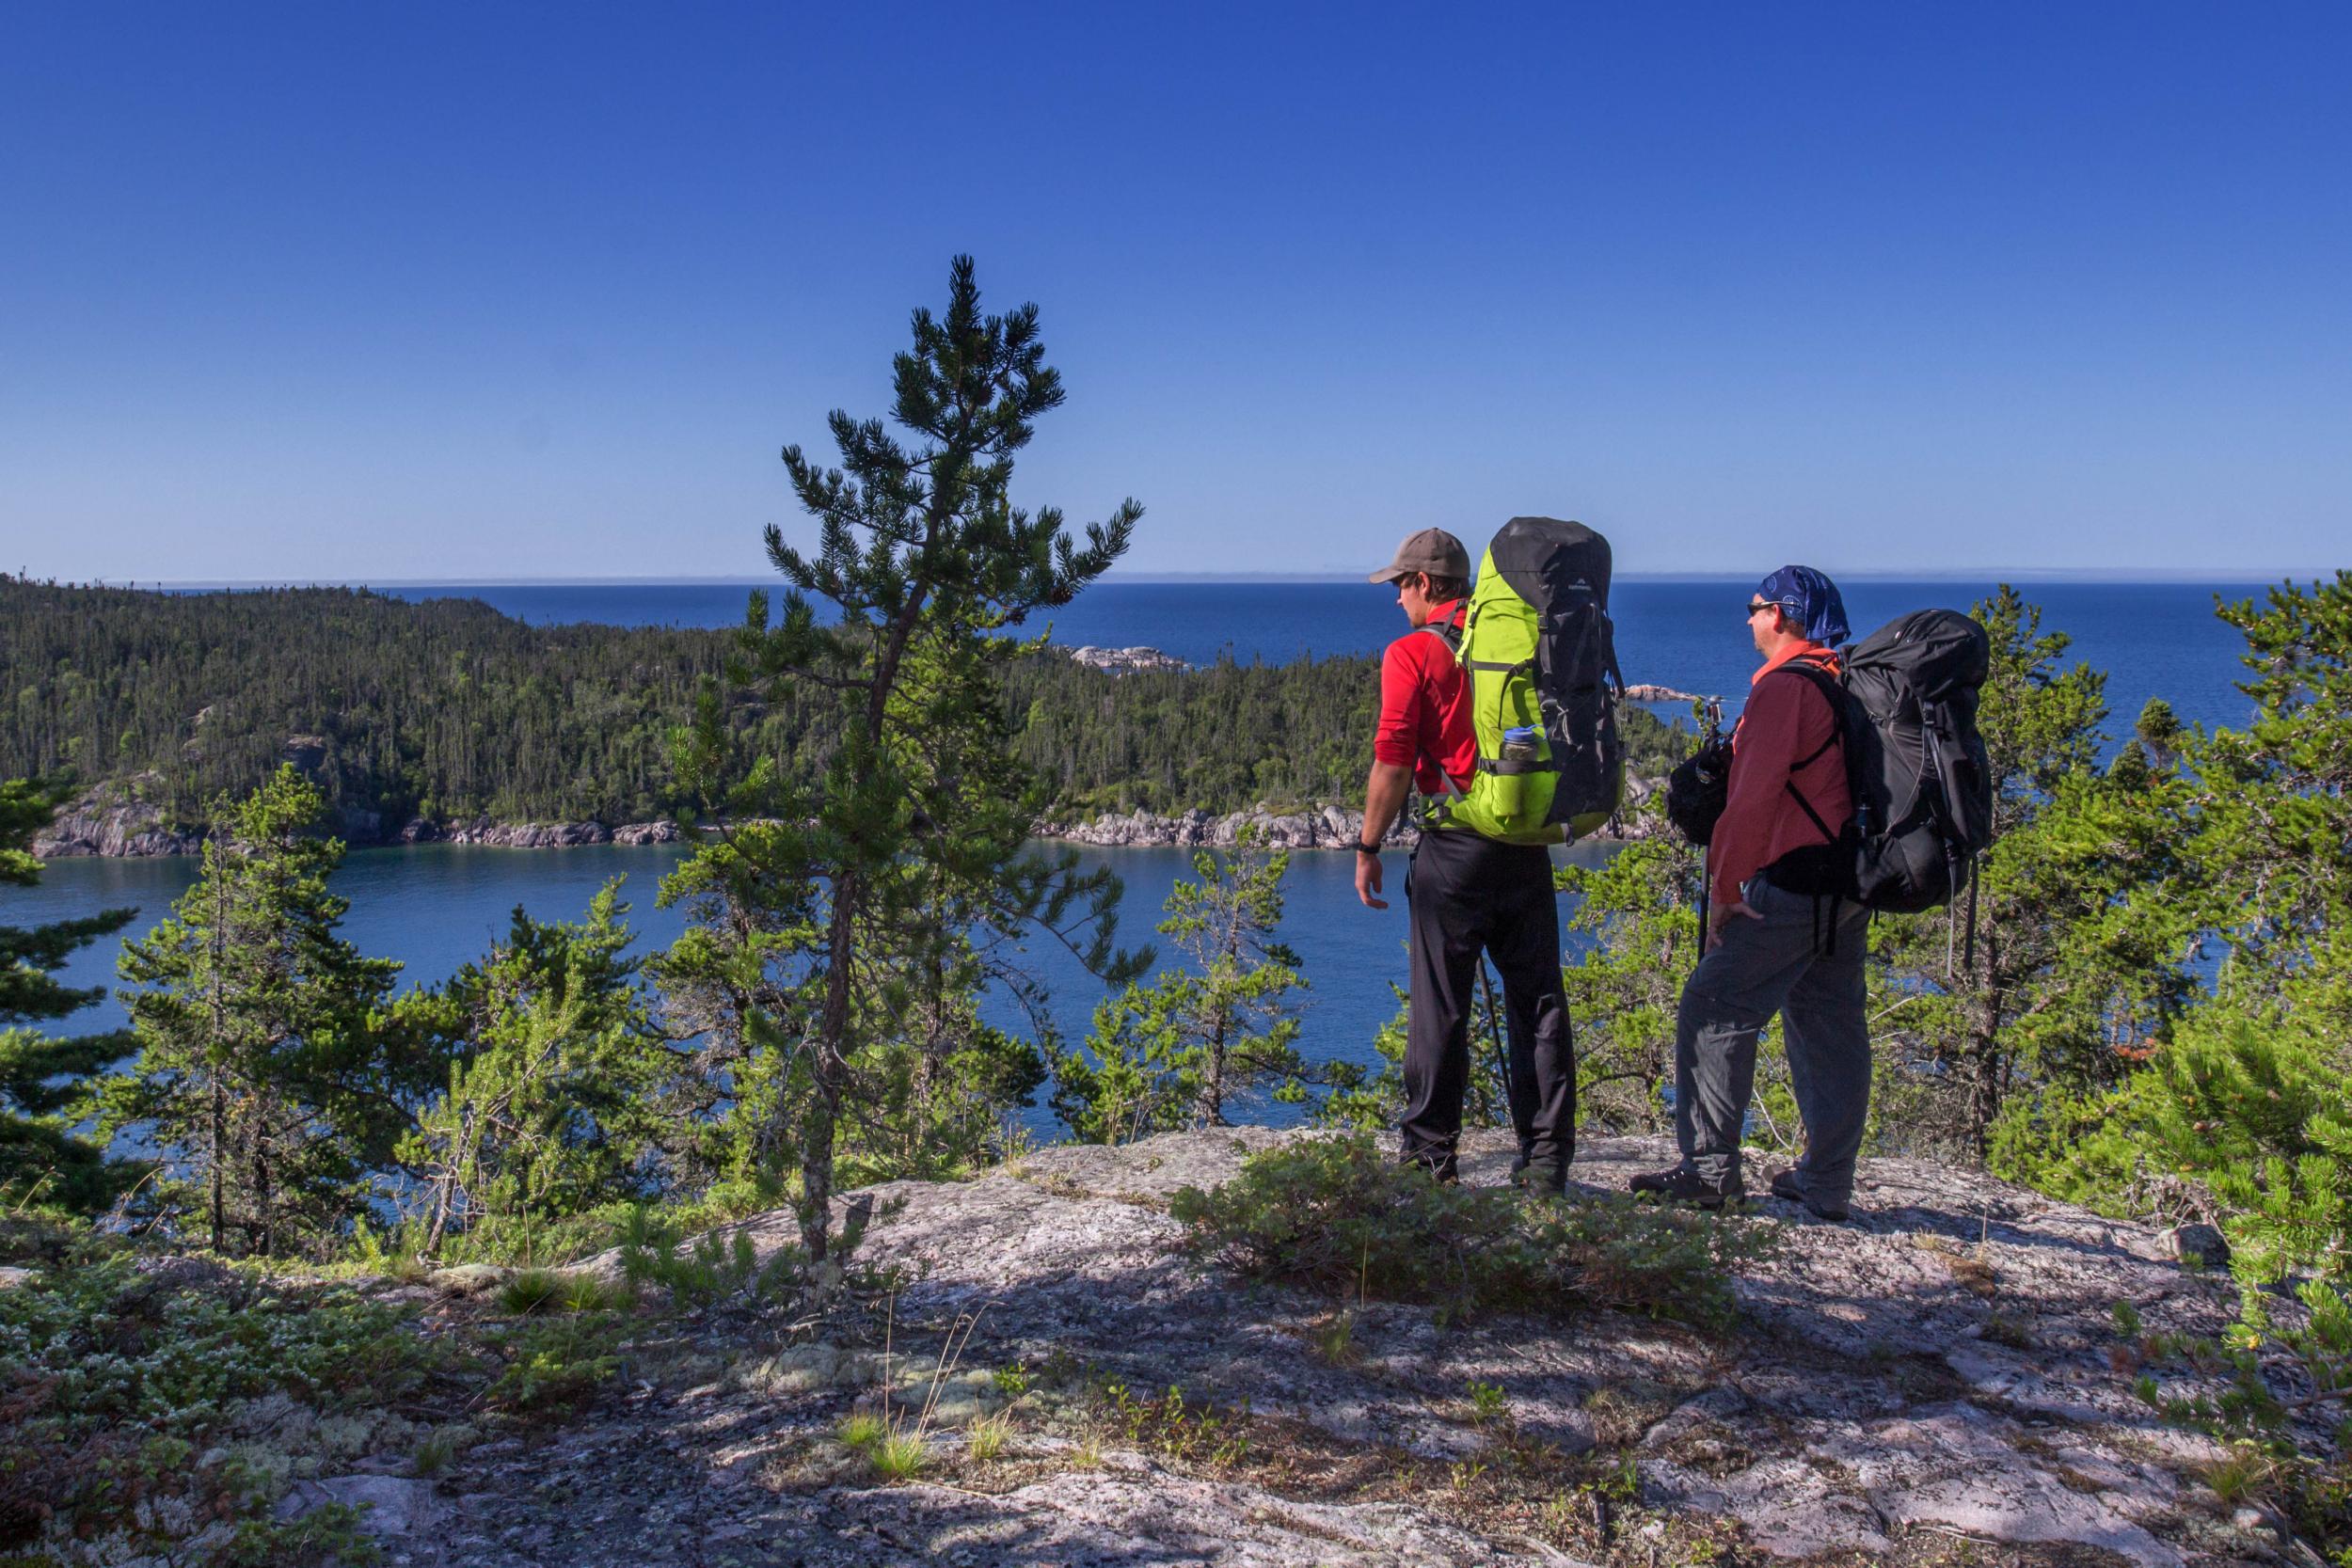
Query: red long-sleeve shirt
(1784,719)
(1426,719)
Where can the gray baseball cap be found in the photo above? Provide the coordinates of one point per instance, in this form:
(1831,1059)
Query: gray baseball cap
(1432,550)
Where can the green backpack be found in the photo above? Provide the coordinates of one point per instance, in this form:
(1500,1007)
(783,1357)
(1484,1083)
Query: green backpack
(1541,657)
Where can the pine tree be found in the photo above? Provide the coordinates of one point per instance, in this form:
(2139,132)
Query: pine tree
(45,1079)
(737,992)
(1176,1051)
(2238,1114)
(548,1111)
(263,1073)
(919,814)
(1640,906)
(2066,977)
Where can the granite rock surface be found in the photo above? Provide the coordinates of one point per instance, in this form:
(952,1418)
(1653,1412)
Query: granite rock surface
(1939,1382)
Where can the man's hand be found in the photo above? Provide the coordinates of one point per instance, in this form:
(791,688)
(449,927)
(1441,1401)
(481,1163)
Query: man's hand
(1384,796)
(1716,917)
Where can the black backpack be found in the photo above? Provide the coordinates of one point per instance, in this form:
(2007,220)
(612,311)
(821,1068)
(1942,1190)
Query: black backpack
(1921,782)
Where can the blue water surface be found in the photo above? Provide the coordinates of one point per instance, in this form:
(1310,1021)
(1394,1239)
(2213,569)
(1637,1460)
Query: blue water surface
(436,906)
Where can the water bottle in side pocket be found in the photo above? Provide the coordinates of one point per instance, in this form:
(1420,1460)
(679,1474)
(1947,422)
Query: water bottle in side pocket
(1521,744)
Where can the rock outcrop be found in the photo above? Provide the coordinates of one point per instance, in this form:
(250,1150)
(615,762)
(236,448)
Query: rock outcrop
(115,818)
(1122,662)
(537,835)
(1938,1383)
(1327,827)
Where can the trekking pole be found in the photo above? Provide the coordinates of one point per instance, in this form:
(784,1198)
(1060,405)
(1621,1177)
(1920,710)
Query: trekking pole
(1494,1031)
(1702,945)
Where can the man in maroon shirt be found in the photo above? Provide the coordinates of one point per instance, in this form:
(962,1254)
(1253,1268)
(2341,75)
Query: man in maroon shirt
(1465,895)
(1781,937)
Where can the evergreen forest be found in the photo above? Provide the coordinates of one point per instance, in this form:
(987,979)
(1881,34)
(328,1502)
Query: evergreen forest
(448,710)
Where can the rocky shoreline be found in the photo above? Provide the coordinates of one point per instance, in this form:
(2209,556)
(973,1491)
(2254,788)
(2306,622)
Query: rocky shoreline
(113,822)
(1327,827)
(109,822)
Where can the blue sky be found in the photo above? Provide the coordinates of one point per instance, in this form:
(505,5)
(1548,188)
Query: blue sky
(349,293)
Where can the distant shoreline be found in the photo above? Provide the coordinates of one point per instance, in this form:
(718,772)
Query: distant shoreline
(1332,826)
(2227,577)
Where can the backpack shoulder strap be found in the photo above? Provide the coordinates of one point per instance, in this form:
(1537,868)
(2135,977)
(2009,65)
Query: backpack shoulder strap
(1833,692)
(1449,633)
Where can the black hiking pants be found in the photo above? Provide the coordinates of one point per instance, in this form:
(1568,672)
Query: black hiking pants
(1465,895)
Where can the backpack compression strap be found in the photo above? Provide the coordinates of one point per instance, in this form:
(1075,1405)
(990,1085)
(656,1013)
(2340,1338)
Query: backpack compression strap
(1453,636)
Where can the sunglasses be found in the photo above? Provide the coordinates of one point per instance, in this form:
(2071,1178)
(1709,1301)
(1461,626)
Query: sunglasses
(1760,604)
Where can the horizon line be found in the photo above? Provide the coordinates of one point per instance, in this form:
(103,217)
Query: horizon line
(2237,574)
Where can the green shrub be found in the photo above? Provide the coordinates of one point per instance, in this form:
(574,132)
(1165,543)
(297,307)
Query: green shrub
(2240,1115)
(554,1365)
(711,1271)
(113,1376)
(1335,1216)
(2288,1423)
(1177,1430)
(329,1536)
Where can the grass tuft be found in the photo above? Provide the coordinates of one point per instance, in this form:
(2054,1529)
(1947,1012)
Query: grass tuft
(1335,1215)
(989,1435)
(530,1290)
(900,1456)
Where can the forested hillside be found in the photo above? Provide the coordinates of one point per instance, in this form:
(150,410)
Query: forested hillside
(448,710)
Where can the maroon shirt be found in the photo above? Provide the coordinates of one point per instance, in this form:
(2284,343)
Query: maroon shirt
(1785,718)
(1424,709)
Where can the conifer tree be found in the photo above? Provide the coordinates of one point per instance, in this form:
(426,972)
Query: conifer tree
(1176,1051)
(2066,977)
(263,1073)
(2239,1111)
(45,1078)
(738,992)
(549,1109)
(919,814)
(1640,909)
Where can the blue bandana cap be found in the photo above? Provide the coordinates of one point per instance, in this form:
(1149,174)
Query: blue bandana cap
(1811,600)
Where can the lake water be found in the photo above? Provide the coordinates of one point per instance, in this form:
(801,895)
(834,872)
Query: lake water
(436,906)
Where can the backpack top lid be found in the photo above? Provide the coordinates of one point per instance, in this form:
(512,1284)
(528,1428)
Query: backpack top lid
(1547,562)
(1939,653)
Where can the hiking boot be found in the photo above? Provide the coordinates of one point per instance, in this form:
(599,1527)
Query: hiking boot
(1682,1184)
(1548,1179)
(1441,1165)
(1789,1184)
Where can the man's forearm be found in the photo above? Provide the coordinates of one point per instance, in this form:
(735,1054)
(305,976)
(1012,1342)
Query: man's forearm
(1384,796)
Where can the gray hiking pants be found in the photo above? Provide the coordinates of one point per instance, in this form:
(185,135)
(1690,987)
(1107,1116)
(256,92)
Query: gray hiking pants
(1797,962)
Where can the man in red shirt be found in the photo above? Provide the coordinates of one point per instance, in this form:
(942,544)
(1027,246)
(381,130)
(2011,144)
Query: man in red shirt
(1465,895)
(1782,937)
